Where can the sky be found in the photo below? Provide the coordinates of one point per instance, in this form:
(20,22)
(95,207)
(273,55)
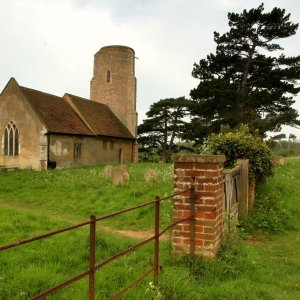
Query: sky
(49,45)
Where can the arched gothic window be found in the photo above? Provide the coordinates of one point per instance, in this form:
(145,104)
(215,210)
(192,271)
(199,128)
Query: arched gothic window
(11,139)
(108,76)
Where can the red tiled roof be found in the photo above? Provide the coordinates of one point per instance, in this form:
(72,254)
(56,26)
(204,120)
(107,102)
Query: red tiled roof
(56,113)
(58,116)
(100,118)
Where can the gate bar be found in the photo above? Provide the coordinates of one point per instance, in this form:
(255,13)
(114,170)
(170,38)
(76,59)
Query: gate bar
(192,222)
(156,240)
(92,257)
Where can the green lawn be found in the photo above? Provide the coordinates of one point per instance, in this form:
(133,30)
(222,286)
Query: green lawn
(294,159)
(75,194)
(265,265)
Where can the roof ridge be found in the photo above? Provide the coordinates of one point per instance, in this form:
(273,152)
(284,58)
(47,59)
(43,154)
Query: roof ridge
(86,99)
(24,87)
(70,99)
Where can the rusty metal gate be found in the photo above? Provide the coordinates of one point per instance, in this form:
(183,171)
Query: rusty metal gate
(93,266)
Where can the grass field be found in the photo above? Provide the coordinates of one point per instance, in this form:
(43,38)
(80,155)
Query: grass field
(265,265)
(75,194)
(294,159)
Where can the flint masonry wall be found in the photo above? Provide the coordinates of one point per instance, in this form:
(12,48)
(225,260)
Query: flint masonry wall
(206,173)
(114,83)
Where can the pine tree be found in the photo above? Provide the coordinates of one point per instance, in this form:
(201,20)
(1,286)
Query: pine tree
(165,122)
(240,83)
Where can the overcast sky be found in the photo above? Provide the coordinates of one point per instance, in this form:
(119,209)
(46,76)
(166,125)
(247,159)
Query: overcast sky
(48,45)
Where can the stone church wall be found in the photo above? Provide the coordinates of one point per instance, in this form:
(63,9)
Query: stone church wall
(13,107)
(90,151)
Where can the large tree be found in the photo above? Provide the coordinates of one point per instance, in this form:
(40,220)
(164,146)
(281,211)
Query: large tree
(240,83)
(279,137)
(165,122)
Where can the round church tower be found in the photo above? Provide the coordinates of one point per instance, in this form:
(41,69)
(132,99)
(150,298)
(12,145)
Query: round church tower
(114,83)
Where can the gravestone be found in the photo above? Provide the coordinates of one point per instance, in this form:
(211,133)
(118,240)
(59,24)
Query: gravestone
(117,176)
(151,175)
(125,171)
(107,171)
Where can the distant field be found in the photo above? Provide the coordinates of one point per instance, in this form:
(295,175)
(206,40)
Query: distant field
(294,159)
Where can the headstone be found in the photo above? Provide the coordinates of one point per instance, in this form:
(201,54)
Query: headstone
(117,176)
(125,171)
(151,175)
(107,171)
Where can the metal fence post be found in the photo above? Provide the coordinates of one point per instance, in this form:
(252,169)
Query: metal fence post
(92,257)
(192,222)
(156,240)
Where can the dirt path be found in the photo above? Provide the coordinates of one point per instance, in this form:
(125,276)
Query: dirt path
(141,235)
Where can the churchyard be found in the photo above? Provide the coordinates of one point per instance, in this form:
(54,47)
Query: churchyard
(259,260)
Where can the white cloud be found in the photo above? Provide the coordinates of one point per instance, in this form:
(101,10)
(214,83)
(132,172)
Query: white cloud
(49,45)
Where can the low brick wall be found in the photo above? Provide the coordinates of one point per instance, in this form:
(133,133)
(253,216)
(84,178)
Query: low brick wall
(206,173)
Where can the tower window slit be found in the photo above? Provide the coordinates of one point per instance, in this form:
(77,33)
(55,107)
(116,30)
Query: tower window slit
(108,76)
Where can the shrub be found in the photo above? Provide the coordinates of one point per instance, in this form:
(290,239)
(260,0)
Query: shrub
(241,144)
(286,152)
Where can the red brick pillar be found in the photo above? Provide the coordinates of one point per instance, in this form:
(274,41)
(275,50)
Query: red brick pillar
(206,173)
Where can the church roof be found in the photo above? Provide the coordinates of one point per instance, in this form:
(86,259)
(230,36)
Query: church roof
(56,113)
(81,116)
(100,117)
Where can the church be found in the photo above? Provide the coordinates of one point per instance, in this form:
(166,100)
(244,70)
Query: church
(41,131)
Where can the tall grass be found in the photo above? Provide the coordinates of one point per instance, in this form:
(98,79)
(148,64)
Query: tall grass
(277,203)
(29,269)
(263,266)
(75,194)
(33,203)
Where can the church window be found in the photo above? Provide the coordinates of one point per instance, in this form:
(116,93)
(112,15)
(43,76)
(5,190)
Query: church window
(104,145)
(11,139)
(108,76)
(77,150)
(112,145)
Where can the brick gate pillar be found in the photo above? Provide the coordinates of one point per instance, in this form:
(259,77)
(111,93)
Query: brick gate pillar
(206,173)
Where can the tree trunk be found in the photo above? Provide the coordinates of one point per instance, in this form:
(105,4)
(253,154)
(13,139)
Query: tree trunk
(165,144)
(244,80)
